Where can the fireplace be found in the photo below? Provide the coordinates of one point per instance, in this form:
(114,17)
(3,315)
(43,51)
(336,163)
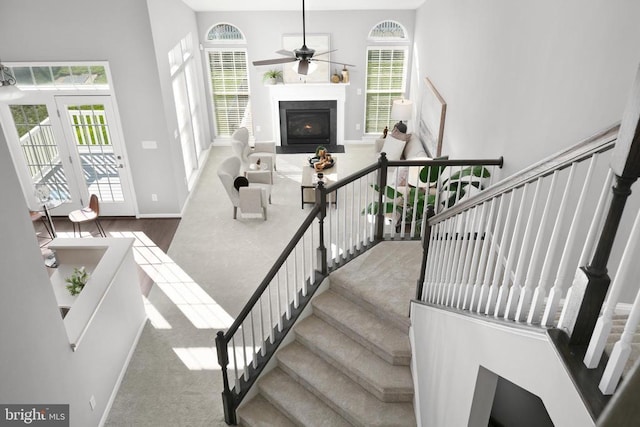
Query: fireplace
(306,124)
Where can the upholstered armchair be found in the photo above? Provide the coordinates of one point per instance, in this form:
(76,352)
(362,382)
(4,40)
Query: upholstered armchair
(251,199)
(265,151)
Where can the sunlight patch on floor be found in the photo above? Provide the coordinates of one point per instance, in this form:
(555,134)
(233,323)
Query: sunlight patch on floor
(193,301)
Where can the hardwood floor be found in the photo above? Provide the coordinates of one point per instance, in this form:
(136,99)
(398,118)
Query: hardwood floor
(159,230)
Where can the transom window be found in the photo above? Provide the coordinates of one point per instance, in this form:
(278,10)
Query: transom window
(61,76)
(388,30)
(229,79)
(225,33)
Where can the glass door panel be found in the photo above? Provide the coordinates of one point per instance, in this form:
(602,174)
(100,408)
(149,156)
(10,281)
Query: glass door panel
(41,159)
(96,147)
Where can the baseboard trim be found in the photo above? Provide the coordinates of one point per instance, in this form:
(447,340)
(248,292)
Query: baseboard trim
(160,215)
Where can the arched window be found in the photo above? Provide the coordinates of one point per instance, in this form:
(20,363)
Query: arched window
(229,79)
(386,73)
(225,33)
(388,30)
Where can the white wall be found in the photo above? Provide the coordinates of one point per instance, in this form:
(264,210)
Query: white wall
(525,79)
(450,350)
(37,365)
(348,33)
(117,31)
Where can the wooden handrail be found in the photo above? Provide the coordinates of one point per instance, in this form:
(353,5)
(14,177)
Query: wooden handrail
(600,142)
(272,273)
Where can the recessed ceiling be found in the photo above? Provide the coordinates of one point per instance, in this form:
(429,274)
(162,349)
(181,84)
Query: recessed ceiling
(255,5)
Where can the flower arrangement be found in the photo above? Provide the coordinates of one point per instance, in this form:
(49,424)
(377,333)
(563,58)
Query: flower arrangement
(77,280)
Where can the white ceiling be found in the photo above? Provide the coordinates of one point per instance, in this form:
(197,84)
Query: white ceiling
(253,5)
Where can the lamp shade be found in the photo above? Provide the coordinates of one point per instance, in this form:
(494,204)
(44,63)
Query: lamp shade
(401,109)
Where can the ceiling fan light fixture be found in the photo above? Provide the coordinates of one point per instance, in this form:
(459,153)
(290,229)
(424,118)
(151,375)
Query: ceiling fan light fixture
(311,68)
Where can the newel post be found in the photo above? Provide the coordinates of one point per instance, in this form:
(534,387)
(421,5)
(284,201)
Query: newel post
(426,237)
(228,399)
(382,186)
(321,202)
(625,163)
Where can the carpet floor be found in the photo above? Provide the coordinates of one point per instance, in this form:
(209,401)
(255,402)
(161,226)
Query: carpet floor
(213,266)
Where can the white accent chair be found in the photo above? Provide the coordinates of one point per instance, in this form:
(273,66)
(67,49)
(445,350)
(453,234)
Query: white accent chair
(265,151)
(252,199)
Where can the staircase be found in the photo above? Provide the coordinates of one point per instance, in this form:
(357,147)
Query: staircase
(349,361)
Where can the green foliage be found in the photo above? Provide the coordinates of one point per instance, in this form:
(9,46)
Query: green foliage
(450,189)
(77,280)
(272,74)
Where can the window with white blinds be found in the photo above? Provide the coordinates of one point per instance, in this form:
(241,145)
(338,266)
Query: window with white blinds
(230,88)
(386,81)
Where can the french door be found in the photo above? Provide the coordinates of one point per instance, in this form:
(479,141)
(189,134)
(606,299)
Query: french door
(71,146)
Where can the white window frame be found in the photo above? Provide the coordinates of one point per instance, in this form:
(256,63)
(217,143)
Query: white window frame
(396,94)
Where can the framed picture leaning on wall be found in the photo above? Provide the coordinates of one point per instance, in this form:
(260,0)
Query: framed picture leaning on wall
(432,113)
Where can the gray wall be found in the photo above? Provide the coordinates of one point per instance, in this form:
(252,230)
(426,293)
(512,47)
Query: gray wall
(117,31)
(348,33)
(525,79)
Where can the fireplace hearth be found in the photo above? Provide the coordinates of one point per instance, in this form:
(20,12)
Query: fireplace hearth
(304,125)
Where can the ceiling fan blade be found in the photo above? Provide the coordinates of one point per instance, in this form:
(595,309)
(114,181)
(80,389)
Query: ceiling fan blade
(285,52)
(303,67)
(275,61)
(324,53)
(333,62)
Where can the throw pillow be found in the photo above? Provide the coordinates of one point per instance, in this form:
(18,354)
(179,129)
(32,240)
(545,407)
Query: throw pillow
(393,147)
(399,135)
(240,181)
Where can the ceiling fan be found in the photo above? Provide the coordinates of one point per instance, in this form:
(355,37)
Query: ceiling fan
(304,55)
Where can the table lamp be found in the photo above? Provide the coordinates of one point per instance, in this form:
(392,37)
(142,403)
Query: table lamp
(401,110)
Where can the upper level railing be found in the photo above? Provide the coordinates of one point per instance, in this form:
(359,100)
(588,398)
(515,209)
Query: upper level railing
(385,201)
(527,250)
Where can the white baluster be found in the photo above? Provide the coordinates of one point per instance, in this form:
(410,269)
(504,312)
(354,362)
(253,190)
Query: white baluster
(492,306)
(463,256)
(484,254)
(443,282)
(507,291)
(533,273)
(456,271)
(488,272)
(576,291)
(271,323)
(554,245)
(433,259)
(627,273)
(472,251)
(524,258)
(569,260)
(625,276)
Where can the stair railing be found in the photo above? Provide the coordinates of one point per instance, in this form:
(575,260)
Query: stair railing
(511,252)
(349,217)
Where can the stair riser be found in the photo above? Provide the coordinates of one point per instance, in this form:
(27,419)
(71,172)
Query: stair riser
(386,395)
(402,323)
(319,394)
(394,359)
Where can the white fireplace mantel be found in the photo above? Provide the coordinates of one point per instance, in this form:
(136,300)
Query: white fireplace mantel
(308,92)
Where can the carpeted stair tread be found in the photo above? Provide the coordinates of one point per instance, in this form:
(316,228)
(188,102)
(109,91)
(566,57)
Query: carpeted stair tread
(341,393)
(258,412)
(359,324)
(298,403)
(389,383)
(382,280)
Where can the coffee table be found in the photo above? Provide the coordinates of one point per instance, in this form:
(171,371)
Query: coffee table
(308,184)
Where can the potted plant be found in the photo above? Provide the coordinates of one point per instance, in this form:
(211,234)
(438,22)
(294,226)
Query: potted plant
(451,189)
(77,280)
(272,76)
